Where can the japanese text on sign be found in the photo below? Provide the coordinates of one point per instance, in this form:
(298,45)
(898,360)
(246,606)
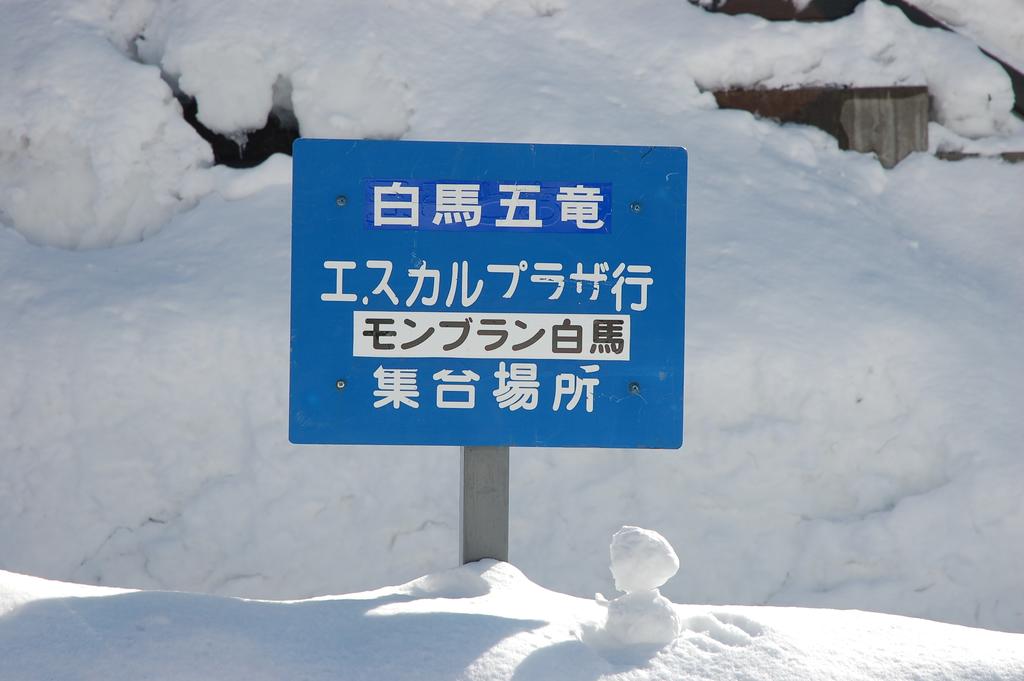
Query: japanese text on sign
(516,387)
(455,293)
(488,206)
(483,335)
(424,285)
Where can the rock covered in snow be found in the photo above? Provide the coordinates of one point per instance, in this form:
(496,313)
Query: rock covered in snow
(641,559)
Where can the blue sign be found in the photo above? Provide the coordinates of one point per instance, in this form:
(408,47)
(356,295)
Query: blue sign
(487,294)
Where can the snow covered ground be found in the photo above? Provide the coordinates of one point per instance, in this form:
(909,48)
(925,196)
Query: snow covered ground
(854,372)
(482,622)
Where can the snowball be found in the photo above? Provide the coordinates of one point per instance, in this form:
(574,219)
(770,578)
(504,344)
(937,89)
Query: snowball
(642,618)
(641,559)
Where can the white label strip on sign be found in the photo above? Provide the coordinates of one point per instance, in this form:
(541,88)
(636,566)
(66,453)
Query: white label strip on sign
(483,335)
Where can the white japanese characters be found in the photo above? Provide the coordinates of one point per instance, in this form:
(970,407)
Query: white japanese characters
(396,387)
(517,201)
(574,387)
(517,388)
(580,205)
(452,205)
(461,287)
(457,203)
(455,389)
(407,209)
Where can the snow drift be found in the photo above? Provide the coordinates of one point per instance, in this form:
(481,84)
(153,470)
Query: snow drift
(482,622)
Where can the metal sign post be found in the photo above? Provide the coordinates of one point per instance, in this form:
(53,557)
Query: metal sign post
(487,296)
(483,508)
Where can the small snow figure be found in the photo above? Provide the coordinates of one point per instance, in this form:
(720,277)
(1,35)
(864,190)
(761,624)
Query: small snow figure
(642,561)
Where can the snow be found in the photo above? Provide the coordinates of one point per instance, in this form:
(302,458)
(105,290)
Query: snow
(87,118)
(875,46)
(853,384)
(641,559)
(999,29)
(93,148)
(642,618)
(482,622)
(396,74)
